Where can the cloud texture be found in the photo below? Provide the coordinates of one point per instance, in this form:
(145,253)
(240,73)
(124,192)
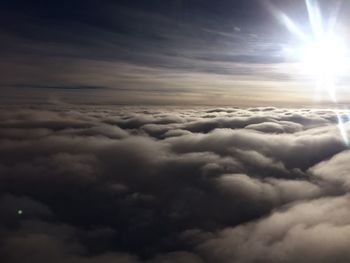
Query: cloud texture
(167,185)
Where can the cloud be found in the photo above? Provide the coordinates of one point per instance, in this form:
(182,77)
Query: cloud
(315,231)
(82,87)
(153,185)
(334,170)
(295,151)
(272,127)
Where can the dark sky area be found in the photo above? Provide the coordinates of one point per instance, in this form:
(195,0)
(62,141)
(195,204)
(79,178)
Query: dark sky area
(151,51)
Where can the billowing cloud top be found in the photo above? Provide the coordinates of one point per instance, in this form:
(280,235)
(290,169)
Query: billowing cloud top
(158,185)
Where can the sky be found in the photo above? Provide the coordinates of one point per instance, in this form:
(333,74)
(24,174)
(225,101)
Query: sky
(192,52)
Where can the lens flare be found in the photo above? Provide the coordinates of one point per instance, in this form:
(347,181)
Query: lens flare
(322,55)
(342,128)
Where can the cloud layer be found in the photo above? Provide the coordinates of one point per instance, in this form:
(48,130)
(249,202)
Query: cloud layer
(159,185)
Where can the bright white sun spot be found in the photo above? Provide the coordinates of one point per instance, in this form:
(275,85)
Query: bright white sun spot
(324,58)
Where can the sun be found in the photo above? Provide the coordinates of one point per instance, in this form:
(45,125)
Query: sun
(322,54)
(319,52)
(325,58)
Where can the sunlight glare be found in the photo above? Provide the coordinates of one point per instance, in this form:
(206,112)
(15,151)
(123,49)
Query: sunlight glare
(324,58)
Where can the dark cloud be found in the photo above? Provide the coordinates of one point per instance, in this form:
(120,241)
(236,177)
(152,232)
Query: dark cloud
(158,185)
(61,87)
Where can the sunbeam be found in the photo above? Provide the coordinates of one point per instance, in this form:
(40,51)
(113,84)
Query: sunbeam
(323,55)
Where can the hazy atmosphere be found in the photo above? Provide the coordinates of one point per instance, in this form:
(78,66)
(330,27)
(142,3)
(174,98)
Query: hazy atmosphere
(192,52)
(179,131)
